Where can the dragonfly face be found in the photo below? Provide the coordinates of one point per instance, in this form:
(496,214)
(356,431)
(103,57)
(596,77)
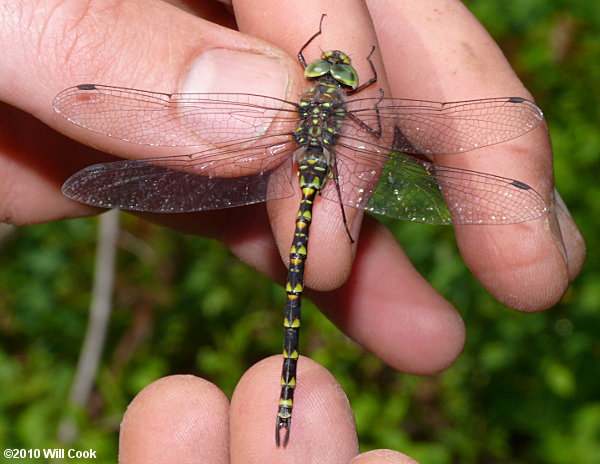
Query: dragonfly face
(245,148)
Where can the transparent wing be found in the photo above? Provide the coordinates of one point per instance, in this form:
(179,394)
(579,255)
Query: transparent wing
(414,190)
(244,140)
(177,120)
(248,149)
(376,172)
(178,184)
(433,127)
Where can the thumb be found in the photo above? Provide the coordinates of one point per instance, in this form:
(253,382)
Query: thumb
(49,46)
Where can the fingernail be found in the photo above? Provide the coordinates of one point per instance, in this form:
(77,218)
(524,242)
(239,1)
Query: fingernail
(553,223)
(224,70)
(561,204)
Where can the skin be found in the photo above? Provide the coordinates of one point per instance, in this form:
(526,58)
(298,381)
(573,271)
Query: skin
(432,50)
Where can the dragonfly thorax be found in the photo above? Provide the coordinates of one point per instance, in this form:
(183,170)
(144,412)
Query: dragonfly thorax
(321,112)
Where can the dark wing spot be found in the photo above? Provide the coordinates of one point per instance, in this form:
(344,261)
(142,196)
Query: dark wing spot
(520,185)
(86,87)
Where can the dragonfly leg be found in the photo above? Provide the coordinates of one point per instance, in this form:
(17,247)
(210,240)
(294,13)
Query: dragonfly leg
(336,181)
(376,132)
(370,81)
(300,56)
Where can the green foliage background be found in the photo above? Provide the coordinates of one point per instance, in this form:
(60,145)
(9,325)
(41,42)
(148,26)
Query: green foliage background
(525,390)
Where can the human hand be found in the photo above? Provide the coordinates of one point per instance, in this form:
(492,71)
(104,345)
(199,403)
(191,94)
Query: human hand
(188,419)
(429,52)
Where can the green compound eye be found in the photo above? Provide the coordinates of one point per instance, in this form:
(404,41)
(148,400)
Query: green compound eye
(345,74)
(317,69)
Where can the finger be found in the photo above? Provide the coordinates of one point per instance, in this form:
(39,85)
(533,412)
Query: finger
(390,309)
(29,175)
(386,305)
(383,456)
(140,43)
(443,53)
(290,26)
(394,312)
(176,419)
(322,428)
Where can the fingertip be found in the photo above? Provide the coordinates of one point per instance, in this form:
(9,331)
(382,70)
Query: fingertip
(383,456)
(522,265)
(180,418)
(390,309)
(322,429)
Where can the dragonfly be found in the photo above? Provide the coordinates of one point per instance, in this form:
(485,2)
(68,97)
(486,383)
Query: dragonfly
(371,153)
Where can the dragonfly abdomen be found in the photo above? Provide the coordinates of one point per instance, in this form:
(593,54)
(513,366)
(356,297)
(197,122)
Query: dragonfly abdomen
(313,171)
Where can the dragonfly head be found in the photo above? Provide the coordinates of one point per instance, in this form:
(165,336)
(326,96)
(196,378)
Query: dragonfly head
(337,65)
